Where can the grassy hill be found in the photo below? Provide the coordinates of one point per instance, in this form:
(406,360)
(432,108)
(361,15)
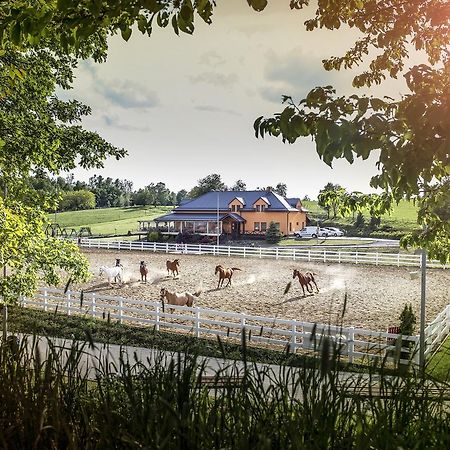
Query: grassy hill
(403,218)
(109,220)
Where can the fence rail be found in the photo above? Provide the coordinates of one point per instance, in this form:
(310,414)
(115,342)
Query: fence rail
(295,254)
(350,341)
(437,331)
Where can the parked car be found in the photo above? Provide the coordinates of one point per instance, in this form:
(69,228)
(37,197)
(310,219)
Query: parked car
(332,231)
(311,232)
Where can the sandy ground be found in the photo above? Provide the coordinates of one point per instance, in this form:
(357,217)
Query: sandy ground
(375,295)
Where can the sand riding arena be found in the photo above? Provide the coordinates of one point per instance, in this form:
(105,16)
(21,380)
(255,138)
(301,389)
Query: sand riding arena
(375,295)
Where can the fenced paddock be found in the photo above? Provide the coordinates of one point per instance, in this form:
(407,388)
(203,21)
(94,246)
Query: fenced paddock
(353,343)
(294,254)
(375,295)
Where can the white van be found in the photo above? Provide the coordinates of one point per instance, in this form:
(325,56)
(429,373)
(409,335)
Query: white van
(311,232)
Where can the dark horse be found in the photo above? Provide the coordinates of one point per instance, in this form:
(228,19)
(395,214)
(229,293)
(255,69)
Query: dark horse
(224,272)
(305,279)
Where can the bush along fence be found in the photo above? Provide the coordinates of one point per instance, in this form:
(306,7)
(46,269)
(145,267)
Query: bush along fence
(353,343)
(327,256)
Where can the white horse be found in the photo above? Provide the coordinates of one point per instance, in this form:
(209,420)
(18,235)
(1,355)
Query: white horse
(112,273)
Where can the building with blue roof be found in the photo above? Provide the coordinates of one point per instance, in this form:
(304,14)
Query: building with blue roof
(234,213)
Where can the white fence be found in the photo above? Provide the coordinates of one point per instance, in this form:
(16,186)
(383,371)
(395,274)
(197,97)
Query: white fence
(295,254)
(352,342)
(437,331)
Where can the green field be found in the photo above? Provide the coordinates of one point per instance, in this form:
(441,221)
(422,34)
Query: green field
(403,217)
(121,220)
(109,220)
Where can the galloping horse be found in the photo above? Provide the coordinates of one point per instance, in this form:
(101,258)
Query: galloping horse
(144,271)
(172,266)
(112,273)
(224,272)
(305,279)
(174,298)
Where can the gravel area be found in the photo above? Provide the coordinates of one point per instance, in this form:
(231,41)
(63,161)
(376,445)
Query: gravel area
(375,295)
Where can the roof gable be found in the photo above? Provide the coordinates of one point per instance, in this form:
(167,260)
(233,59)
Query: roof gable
(211,201)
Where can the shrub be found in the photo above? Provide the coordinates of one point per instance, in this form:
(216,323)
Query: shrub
(154,236)
(407,320)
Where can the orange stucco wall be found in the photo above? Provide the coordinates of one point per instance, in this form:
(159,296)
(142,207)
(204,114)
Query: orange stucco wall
(297,220)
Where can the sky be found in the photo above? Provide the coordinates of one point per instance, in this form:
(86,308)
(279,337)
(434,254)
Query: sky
(183,107)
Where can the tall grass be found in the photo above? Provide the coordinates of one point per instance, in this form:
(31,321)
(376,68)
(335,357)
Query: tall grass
(53,401)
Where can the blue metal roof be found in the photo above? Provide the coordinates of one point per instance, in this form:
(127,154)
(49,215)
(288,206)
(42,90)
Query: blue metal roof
(197,217)
(208,201)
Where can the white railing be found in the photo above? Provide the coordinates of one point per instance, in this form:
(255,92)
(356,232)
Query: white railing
(352,342)
(437,331)
(295,254)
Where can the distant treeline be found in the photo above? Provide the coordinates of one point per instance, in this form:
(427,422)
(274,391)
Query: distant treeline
(100,192)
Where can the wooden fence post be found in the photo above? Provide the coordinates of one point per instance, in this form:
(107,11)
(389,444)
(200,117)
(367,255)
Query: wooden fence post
(120,310)
(351,343)
(45,300)
(293,343)
(197,322)
(68,303)
(157,318)
(93,304)
(356,257)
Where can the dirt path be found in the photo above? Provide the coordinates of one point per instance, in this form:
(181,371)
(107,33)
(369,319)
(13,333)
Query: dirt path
(375,295)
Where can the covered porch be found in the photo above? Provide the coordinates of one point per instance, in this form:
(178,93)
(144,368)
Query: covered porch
(203,224)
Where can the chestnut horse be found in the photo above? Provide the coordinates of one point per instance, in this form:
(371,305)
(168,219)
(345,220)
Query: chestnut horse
(224,272)
(305,279)
(144,271)
(174,298)
(172,266)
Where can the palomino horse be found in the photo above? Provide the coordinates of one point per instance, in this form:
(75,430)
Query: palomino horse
(112,273)
(144,271)
(172,266)
(174,298)
(224,272)
(305,279)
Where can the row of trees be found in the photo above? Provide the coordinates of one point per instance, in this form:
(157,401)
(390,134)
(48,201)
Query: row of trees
(106,192)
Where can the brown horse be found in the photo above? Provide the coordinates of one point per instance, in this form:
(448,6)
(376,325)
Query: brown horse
(224,272)
(305,279)
(144,271)
(174,298)
(172,266)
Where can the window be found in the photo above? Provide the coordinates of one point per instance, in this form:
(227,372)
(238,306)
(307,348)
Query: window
(263,207)
(233,208)
(264,226)
(256,226)
(290,226)
(258,208)
(277,225)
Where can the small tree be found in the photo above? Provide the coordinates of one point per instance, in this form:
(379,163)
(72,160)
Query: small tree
(273,235)
(407,320)
(359,222)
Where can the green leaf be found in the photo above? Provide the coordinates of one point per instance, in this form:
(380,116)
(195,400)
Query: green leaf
(126,33)
(257,5)
(15,33)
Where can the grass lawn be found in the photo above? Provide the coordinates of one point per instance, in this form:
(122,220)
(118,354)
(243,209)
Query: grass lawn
(109,220)
(439,364)
(32,321)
